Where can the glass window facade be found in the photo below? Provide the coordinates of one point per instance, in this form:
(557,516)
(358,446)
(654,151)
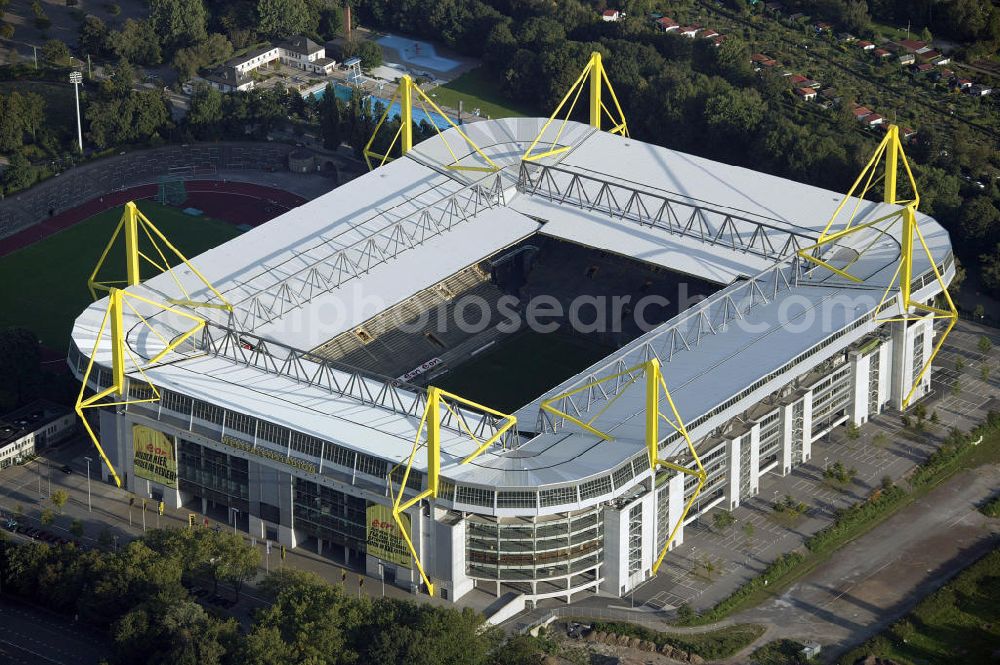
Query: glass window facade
(323,512)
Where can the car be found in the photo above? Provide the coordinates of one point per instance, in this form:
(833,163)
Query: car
(66,469)
(11,525)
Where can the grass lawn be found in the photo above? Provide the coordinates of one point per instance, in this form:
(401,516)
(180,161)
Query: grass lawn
(45,284)
(710,645)
(477,89)
(958,623)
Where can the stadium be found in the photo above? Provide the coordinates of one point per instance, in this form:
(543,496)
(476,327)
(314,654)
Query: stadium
(518,358)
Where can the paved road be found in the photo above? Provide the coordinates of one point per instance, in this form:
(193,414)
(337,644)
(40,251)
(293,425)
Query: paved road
(879,577)
(34,637)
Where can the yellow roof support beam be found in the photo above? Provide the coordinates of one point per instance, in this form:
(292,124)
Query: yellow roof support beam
(112,325)
(891,151)
(406,93)
(596,77)
(656,392)
(439,402)
(135,226)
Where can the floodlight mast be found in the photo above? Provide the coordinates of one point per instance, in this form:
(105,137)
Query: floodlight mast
(75,77)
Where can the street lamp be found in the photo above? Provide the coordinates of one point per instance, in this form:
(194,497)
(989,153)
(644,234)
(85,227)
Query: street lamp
(76,78)
(90,508)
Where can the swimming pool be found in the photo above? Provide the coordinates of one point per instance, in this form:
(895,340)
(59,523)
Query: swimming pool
(343,93)
(419,53)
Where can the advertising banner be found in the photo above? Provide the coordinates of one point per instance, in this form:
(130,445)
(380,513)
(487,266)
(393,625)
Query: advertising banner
(154,456)
(384,539)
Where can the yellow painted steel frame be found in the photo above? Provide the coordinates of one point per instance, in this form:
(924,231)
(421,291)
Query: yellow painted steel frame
(405,96)
(120,353)
(594,74)
(891,148)
(655,387)
(430,425)
(132,220)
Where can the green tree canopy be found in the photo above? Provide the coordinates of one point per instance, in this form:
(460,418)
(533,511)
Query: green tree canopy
(280,19)
(178,23)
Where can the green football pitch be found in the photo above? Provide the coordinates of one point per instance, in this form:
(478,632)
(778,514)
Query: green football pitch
(44,285)
(521,368)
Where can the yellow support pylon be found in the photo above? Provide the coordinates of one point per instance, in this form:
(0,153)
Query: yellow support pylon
(656,391)
(406,92)
(430,424)
(596,77)
(131,223)
(121,356)
(891,149)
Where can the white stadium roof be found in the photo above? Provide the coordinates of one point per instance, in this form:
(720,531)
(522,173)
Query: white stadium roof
(333,263)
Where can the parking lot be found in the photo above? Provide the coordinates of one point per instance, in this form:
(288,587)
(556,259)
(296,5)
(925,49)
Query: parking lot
(712,562)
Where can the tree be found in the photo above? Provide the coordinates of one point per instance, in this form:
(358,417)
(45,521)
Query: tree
(138,42)
(238,561)
(47,517)
(95,37)
(206,115)
(723,519)
(280,19)
(215,49)
(979,219)
(55,52)
(990,266)
(984,344)
(76,528)
(175,633)
(59,499)
(178,23)
(329,118)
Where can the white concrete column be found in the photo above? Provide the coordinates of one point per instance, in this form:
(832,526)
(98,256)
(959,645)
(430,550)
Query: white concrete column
(754,441)
(807,412)
(733,485)
(676,506)
(860,367)
(787,416)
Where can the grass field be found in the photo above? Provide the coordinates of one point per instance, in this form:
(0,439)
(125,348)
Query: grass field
(476,89)
(958,623)
(45,284)
(521,368)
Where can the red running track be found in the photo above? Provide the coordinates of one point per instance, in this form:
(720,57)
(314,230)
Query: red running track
(234,202)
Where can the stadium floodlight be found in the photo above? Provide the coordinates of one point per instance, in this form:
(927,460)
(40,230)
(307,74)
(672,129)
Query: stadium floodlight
(76,78)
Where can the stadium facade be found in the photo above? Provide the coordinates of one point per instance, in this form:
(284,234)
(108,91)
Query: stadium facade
(302,414)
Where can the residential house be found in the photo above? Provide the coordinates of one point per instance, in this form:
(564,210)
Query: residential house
(963,84)
(911,45)
(865,45)
(800,81)
(860,112)
(872,120)
(922,69)
(880,54)
(846,37)
(759,61)
(228,79)
(611,15)
(252,59)
(823,26)
(905,59)
(980,90)
(666,24)
(690,31)
(807,94)
(707,33)
(303,53)
(907,132)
